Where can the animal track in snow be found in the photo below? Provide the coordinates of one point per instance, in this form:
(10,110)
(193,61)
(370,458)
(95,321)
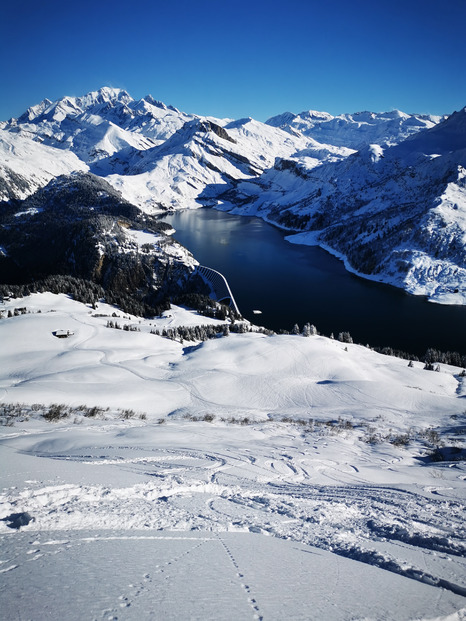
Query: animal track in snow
(251,600)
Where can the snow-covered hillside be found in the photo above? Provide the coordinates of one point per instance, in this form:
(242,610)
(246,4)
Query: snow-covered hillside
(199,161)
(268,476)
(78,235)
(27,165)
(394,214)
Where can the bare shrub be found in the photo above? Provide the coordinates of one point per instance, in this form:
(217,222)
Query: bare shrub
(431,436)
(403,439)
(93,411)
(56,412)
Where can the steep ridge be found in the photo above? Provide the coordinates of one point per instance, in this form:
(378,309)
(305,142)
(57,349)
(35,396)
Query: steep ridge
(199,161)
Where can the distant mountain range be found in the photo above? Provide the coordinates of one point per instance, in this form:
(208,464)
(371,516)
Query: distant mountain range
(384,191)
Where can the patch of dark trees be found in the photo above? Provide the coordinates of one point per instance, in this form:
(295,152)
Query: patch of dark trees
(84,291)
(432,358)
(69,237)
(207,332)
(206,306)
(289,220)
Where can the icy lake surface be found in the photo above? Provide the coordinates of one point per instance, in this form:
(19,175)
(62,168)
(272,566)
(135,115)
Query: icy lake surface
(292,283)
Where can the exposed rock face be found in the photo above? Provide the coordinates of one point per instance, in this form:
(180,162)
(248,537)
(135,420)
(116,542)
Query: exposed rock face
(208,126)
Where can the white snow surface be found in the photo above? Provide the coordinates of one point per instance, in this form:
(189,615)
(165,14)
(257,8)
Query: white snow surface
(34,163)
(247,477)
(178,172)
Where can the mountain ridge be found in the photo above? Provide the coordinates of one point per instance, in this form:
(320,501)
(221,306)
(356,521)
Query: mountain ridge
(357,129)
(384,191)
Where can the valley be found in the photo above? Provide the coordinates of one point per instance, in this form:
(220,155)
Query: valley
(385,192)
(163,457)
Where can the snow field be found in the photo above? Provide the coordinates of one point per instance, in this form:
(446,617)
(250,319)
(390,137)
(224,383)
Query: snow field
(273,477)
(202,576)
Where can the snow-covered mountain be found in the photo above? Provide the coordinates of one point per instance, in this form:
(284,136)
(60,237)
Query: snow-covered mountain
(27,165)
(396,214)
(161,157)
(100,123)
(354,130)
(156,155)
(198,162)
(385,191)
(77,234)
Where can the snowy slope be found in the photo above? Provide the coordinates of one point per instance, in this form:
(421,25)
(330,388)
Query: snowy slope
(269,476)
(202,576)
(26,165)
(199,161)
(99,124)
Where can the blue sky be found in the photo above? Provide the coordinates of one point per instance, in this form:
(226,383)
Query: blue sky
(239,58)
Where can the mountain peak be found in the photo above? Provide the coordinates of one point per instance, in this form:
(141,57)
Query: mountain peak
(34,111)
(154,102)
(447,136)
(111,93)
(106,94)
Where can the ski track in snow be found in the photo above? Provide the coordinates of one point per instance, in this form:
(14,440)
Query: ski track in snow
(274,495)
(208,482)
